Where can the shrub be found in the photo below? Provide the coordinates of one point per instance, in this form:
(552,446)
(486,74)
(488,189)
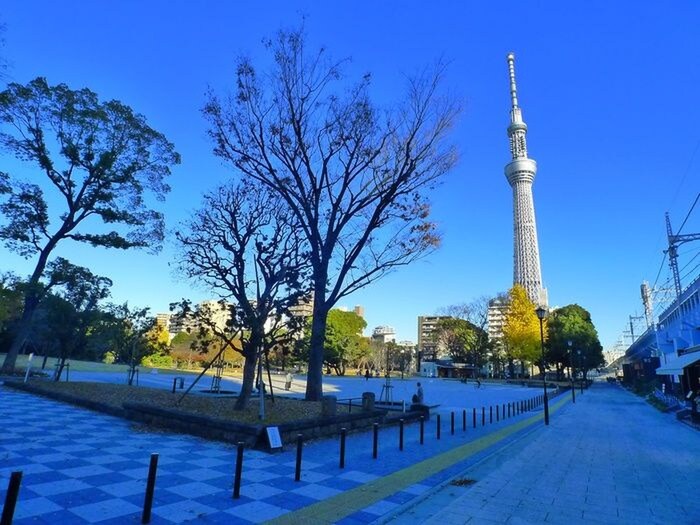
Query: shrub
(157,361)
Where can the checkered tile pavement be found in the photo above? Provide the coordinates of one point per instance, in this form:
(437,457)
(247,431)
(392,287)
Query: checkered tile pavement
(85,467)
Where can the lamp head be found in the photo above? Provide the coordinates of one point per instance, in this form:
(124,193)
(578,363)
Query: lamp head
(541,313)
(569,343)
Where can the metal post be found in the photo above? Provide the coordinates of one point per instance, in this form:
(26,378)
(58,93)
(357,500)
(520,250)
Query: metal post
(342,448)
(8,509)
(239,470)
(452,423)
(438,426)
(571,372)
(508,409)
(491,414)
(300,445)
(401,434)
(422,429)
(474,417)
(174,384)
(375,439)
(483,416)
(150,488)
(544,371)
(464,420)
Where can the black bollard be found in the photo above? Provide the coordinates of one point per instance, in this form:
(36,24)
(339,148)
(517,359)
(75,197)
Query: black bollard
(474,417)
(438,426)
(150,488)
(8,510)
(342,448)
(490,414)
(452,423)
(400,434)
(375,439)
(300,445)
(483,416)
(239,470)
(508,409)
(174,384)
(422,429)
(464,420)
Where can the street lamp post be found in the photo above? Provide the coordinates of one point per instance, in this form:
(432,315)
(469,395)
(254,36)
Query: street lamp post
(541,314)
(579,364)
(402,363)
(571,372)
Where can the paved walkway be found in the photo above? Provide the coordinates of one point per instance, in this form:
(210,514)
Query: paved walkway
(85,467)
(608,459)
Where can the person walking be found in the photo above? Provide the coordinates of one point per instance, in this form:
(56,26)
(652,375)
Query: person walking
(288,381)
(367,374)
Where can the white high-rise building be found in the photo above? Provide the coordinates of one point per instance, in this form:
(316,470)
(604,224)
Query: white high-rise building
(520,173)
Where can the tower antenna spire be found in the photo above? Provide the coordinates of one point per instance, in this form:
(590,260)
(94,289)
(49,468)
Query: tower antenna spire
(520,173)
(511,72)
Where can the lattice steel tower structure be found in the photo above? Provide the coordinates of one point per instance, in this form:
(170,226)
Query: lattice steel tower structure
(520,173)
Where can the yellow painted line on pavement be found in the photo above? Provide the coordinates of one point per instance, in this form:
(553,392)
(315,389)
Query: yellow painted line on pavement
(337,507)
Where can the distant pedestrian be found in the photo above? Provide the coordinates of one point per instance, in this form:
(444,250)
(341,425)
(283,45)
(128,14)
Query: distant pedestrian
(478,383)
(367,374)
(288,381)
(418,396)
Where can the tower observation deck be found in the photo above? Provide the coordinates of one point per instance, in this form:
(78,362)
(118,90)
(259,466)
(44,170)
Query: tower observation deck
(520,173)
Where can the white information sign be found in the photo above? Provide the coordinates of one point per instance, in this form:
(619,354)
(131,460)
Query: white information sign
(273,437)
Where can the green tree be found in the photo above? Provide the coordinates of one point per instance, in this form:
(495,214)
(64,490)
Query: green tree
(126,331)
(573,323)
(521,330)
(457,337)
(344,341)
(356,177)
(66,316)
(344,345)
(100,159)
(11,297)
(467,328)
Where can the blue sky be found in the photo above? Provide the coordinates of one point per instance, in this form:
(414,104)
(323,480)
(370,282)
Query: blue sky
(609,91)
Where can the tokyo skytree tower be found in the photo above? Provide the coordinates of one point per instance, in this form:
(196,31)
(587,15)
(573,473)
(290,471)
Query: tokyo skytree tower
(520,173)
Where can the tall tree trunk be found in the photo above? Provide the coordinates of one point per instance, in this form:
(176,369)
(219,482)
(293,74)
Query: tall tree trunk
(31,302)
(248,380)
(314,377)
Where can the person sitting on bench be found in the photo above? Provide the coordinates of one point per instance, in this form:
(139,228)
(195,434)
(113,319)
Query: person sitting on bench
(418,396)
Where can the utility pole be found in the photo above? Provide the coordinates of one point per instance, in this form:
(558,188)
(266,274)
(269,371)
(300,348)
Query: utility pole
(634,318)
(674,241)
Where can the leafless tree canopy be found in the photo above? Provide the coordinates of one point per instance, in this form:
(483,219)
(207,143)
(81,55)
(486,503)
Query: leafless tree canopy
(245,245)
(354,176)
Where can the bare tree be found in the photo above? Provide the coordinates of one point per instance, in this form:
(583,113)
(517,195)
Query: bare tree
(244,245)
(355,177)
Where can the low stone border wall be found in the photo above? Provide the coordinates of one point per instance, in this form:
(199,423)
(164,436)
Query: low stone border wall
(203,426)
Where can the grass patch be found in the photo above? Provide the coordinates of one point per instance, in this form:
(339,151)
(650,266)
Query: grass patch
(283,410)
